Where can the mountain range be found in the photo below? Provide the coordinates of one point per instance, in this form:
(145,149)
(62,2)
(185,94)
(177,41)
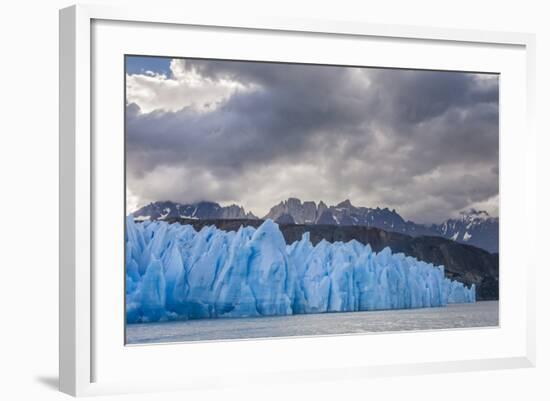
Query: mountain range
(473,227)
(202,210)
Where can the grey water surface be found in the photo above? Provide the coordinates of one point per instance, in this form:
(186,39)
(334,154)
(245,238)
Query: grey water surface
(479,314)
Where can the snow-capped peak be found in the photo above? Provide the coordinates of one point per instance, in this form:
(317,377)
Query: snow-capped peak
(473,214)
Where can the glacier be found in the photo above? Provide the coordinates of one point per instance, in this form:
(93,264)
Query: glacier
(176,273)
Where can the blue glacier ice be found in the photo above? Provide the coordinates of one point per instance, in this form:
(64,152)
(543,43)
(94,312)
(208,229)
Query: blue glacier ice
(176,273)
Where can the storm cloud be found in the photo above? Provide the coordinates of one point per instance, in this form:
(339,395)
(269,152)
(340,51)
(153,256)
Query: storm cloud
(422,142)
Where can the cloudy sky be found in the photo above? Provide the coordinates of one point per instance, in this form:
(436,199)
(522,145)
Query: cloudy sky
(422,142)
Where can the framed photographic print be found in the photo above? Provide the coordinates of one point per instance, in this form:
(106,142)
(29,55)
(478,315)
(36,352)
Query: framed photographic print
(219,154)
(258,198)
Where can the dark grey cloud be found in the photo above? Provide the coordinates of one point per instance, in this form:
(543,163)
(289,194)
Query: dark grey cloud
(423,142)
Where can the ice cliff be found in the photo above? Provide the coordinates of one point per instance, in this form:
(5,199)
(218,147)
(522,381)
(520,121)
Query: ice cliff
(176,273)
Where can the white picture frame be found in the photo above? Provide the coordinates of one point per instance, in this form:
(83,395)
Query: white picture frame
(84,327)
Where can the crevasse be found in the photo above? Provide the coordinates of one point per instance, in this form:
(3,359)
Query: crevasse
(176,273)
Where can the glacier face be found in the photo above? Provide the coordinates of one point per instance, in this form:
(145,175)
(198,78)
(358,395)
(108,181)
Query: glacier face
(176,273)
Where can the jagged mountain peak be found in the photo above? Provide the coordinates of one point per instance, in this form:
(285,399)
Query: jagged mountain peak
(474,227)
(346,203)
(473,214)
(293,209)
(163,210)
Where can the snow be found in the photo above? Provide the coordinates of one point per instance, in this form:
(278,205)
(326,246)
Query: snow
(176,273)
(475,217)
(165,213)
(183,216)
(467,236)
(455,236)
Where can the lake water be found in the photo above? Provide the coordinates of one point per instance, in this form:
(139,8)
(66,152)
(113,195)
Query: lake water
(479,314)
